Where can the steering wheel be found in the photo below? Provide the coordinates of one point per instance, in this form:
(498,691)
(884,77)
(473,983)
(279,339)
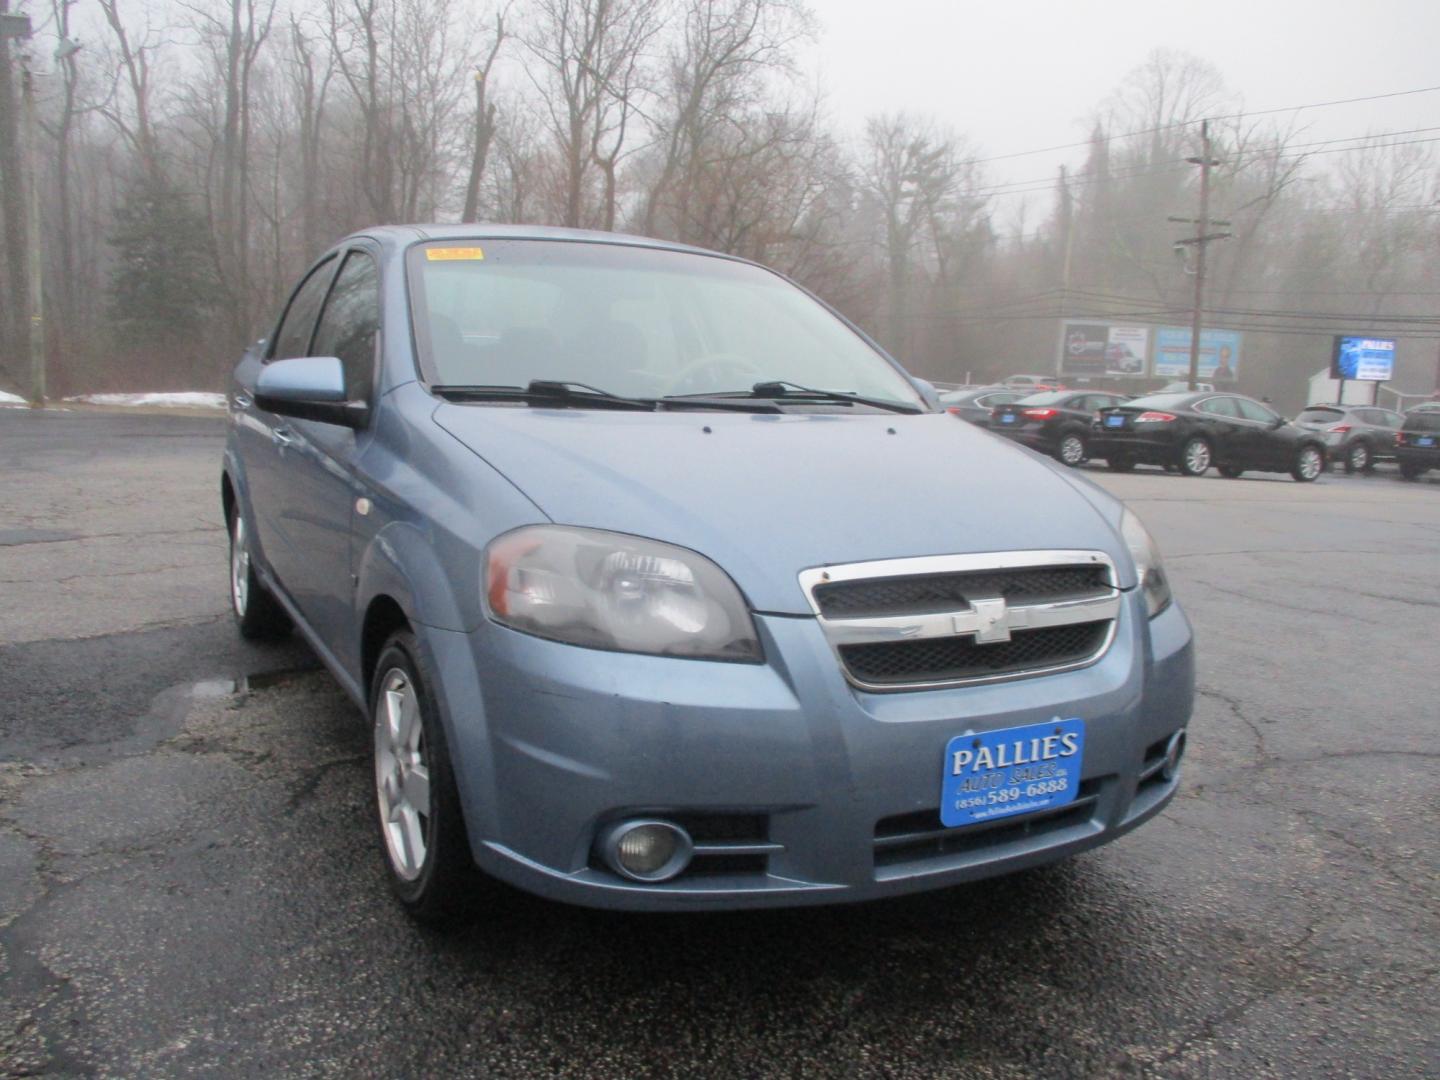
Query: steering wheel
(716,372)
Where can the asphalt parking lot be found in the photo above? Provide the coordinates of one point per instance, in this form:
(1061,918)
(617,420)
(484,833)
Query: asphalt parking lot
(189,882)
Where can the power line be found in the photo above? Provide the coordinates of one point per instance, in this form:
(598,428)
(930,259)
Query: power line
(1183,123)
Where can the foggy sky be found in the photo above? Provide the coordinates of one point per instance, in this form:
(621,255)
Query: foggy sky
(1014,75)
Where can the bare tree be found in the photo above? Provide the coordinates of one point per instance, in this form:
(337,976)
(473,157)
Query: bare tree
(484,132)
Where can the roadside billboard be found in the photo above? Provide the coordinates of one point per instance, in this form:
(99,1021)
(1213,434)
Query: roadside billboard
(1219,353)
(1364,359)
(1100,348)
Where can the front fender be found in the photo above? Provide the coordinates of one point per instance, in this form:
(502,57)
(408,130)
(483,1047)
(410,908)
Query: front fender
(399,563)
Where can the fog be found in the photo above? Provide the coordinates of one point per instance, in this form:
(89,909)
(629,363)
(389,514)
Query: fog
(193,159)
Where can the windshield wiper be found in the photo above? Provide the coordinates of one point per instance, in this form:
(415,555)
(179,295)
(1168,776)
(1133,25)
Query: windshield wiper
(546,392)
(783,390)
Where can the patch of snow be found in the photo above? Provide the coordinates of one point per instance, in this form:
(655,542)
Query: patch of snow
(10,399)
(188,399)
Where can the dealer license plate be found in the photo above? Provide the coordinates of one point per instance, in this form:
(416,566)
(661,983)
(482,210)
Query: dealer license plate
(1114,421)
(1426,440)
(1007,418)
(1017,770)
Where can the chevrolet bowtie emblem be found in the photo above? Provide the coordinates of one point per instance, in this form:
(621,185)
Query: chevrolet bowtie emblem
(993,621)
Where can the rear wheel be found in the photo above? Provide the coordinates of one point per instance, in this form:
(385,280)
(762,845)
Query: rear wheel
(1195,457)
(1071,450)
(422,828)
(1120,464)
(1309,463)
(258,615)
(1358,458)
(1230,472)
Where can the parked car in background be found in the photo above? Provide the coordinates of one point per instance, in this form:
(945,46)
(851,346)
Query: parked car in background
(973,403)
(1417,444)
(614,542)
(1356,436)
(1033,383)
(1194,431)
(1182,386)
(1057,422)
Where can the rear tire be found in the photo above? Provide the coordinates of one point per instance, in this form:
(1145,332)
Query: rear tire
(1195,456)
(423,838)
(1358,458)
(1120,464)
(258,615)
(1309,463)
(1071,449)
(1230,472)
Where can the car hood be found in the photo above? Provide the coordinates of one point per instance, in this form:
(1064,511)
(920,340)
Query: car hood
(766,496)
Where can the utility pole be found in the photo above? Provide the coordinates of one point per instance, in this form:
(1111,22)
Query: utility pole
(12,197)
(1200,242)
(36,269)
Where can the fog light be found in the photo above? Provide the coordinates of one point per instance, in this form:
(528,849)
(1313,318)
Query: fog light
(1174,751)
(646,850)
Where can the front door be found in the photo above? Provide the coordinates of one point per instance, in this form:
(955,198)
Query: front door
(322,485)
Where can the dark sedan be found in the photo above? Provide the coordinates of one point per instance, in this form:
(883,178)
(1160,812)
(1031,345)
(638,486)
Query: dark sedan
(1194,431)
(1057,422)
(1417,445)
(974,403)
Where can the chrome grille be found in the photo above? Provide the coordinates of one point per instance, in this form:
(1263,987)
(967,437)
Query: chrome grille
(904,624)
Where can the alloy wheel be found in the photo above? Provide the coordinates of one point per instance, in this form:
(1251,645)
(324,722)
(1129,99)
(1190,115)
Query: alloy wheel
(239,567)
(1310,463)
(402,774)
(1072,450)
(1197,456)
(1359,457)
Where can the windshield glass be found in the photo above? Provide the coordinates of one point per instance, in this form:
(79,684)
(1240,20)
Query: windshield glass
(1320,416)
(1423,421)
(629,320)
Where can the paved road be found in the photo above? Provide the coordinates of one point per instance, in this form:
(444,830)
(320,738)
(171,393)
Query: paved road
(188,882)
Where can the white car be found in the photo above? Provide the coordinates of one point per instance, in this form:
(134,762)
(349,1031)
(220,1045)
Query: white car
(1182,386)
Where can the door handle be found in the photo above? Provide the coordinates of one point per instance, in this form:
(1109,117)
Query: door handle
(242,400)
(282,436)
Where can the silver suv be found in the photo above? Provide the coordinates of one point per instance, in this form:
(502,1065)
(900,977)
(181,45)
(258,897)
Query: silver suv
(1356,436)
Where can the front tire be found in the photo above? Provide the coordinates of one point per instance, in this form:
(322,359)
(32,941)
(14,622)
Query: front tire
(1195,456)
(423,838)
(1358,458)
(1309,463)
(1230,472)
(1071,449)
(258,615)
(1120,464)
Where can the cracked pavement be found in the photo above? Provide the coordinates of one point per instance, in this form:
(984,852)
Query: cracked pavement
(189,882)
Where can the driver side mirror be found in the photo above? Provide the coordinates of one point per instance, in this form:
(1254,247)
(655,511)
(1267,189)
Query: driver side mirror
(309,388)
(1278,422)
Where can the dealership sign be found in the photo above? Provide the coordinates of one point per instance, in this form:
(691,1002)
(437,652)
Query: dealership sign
(1098,348)
(1365,359)
(1219,353)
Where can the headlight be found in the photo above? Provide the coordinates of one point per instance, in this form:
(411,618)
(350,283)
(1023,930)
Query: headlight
(1148,567)
(612,591)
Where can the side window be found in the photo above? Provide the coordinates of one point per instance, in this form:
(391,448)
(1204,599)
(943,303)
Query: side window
(1393,420)
(293,337)
(1253,410)
(1218,406)
(350,323)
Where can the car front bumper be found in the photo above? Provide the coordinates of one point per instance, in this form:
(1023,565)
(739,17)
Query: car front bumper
(551,743)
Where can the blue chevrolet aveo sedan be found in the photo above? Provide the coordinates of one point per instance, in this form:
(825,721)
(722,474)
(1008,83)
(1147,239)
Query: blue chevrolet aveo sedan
(663,587)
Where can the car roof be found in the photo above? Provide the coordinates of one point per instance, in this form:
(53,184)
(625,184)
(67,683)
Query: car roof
(401,236)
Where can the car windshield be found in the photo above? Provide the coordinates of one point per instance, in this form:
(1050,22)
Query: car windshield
(1319,416)
(629,320)
(1158,401)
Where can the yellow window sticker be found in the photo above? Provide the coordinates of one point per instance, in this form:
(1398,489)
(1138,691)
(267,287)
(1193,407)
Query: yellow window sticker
(451,254)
